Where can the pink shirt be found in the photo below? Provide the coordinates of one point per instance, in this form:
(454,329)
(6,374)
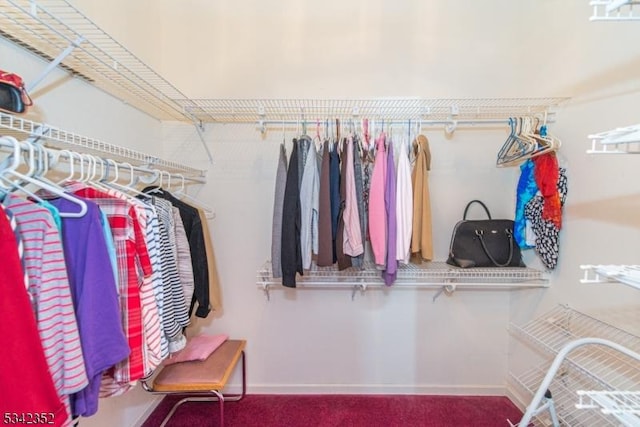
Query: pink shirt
(352,242)
(377,212)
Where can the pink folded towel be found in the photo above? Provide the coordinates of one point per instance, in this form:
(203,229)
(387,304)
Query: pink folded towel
(199,347)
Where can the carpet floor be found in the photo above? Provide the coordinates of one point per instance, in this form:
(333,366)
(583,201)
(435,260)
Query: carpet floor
(343,410)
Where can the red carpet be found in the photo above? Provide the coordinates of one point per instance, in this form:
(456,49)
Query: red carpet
(344,410)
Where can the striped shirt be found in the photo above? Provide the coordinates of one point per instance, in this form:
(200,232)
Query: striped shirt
(152,336)
(178,310)
(49,286)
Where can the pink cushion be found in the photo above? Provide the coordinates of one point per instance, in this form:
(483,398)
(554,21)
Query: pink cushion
(199,347)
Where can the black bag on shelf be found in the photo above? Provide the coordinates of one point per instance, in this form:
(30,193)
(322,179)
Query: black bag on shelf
(13,95)
(484,243)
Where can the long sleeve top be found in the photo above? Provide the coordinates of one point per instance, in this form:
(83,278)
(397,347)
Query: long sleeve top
(391,268)
(291,254)
(276,224)
(325,238)
(404,206)
(377,211)
(309,201)
(422,236)
(352,244)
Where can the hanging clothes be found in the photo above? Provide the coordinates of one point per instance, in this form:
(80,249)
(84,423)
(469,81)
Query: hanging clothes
(391,267)
(358,261)
(214,286)
(276,223)
(51,295)
(422,236)
(309,205)
(352,235)
(95,300)
(325,231)
(344,260)
(404,206)
(546,231)
(334,194)
(33,388)
(291,254)
(377,211)
(193,227)
(547,175)
(527,189)
(133,264)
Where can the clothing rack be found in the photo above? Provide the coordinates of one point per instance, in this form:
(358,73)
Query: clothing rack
(433,275)
(423,112)
(52,136)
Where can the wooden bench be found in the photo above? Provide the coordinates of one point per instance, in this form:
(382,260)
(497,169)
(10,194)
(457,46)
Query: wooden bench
(205,379)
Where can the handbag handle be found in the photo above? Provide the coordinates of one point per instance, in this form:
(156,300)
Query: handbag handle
(480,233)
(486,209)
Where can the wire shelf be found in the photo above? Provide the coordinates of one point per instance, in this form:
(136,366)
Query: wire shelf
(615,10)
(563,390)
(627,274)
(48,27)
(428,110)
(55,137)
(624,405)
(604,366)
(432,274)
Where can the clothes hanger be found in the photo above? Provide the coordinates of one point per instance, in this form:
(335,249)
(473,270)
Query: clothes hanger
(182,195)
(12,171)
(517,146)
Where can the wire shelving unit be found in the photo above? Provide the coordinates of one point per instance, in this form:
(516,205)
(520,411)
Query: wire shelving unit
(434,275)
(615,10)
(59,138)
(598,356)
(55,29)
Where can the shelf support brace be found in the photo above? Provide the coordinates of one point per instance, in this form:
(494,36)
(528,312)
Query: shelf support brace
(200,129)
(53,64)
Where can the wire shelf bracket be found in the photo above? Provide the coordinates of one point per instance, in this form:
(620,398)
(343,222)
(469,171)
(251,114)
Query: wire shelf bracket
(615,10)
(622,140)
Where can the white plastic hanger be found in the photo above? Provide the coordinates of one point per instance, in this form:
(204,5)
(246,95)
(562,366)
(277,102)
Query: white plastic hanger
(180,194)
(11,171)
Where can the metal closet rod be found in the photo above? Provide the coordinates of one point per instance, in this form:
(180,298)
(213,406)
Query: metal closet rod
(107,163)
(449,124)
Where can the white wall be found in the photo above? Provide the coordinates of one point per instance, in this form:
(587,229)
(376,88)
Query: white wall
(321,341)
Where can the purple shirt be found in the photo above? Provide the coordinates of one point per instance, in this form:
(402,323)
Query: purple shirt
(391,271)
(95,299)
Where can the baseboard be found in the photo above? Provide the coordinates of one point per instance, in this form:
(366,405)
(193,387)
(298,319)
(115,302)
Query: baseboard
(459,390)
(148,411)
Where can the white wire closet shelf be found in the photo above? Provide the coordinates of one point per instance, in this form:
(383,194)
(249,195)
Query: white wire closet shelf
(427,275)
(429,111)
(622,404)
(615,10)
(622,140)
(603,368)
(627,274)
(22,128)
(564,388)
(48,28)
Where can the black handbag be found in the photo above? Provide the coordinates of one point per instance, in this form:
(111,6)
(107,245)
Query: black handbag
(484,243)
